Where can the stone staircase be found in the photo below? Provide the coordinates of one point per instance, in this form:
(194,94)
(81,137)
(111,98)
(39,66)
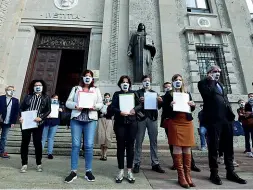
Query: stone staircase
(62,144)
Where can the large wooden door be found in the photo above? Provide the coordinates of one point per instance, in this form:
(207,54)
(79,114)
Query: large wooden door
(46,67)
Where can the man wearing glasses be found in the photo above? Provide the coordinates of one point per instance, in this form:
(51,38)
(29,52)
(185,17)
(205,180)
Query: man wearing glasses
(218,117)
(9,109)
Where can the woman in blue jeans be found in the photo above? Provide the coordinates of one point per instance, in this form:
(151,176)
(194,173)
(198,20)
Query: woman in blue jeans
(83,120)
(50,128)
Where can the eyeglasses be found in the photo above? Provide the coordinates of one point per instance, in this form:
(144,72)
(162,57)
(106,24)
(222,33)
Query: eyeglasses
(215,71)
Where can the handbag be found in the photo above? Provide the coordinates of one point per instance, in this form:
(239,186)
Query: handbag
(237,129)
(1,115)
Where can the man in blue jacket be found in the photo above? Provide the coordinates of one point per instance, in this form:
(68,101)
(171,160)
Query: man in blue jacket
(9,109)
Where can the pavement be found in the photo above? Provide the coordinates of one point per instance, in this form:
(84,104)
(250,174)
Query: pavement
(54,172)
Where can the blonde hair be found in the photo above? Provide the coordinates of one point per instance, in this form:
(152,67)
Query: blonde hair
(9,87)
(182,89)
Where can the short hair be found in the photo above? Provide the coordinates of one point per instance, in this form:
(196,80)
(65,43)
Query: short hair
(54,95)
(9,87)
(31,86)
(240,101)
(166,83)
(211,68)
(144,77)
(122,79)
(81,83)
(107,94)
(251,93)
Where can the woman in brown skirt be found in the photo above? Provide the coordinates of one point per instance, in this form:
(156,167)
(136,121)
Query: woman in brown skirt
(180,132)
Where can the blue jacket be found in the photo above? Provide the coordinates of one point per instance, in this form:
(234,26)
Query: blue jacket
(14,109)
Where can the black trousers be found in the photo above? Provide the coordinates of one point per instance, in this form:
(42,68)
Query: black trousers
(26,138)
(171,149)
(220,137)
(248,132)
(125,136)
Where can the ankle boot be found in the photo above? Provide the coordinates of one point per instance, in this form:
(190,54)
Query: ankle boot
(187,169)
(178,162)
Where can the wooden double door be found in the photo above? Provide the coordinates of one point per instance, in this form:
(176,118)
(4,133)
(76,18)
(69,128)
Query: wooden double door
(58,59)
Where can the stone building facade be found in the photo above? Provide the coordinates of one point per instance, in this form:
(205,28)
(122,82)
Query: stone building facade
(57,39)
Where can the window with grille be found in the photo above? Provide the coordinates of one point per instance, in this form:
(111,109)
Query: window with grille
(209,54)
(199,6)
(250,6)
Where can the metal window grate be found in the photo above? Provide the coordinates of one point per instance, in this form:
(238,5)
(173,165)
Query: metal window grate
(212,54)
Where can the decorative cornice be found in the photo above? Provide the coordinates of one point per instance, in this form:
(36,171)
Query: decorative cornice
(216,31)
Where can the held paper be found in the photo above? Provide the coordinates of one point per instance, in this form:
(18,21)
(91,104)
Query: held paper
(181,102)
(28,119)
(54,111)
(150,100)
(126,102)
(85,99)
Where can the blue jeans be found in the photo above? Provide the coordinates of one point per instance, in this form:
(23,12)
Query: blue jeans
(89,129)
(5,130)
(202,133)
(48,134)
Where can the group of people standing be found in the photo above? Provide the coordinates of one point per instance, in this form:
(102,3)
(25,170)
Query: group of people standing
(130,127)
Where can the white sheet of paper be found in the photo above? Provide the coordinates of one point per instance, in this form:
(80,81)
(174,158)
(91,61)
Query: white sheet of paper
(54,111)
(28,119)
(85,100)
(181,102)
(126,102)
(150,100)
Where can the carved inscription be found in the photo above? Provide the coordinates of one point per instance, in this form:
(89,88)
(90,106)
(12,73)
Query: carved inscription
(62,16)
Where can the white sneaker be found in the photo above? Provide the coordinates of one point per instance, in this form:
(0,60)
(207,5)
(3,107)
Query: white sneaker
(39,168)
(221,160)
(23,169)
(250,154)
(235,164)
(203,149)
(120,176)
(130,177)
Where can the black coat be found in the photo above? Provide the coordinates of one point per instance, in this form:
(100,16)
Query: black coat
(216,105)
(14,109)
(116,109)
(168,112)
(45,108)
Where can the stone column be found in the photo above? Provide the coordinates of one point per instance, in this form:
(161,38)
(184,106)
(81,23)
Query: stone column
(241,25)
(10,16)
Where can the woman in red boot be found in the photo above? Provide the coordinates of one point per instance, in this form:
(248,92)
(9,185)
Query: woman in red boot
(180,131)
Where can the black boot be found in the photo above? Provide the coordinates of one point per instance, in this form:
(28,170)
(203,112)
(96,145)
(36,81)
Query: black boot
(157,168)
(232,176)
(136,168)
(193,165)
(215,178)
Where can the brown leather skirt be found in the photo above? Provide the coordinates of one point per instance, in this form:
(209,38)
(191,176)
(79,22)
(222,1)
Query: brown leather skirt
(181,131)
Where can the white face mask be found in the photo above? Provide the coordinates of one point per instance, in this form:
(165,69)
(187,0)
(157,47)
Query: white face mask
(167,89)
(242,105)
(216,76)
(124,86)
(9,92)
(177,84)
(54,101)
(251,101)
(87,80)
(107,100)
(38,89)
(146,84)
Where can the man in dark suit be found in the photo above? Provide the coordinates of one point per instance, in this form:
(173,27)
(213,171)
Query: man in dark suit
(218,117)
(9,109)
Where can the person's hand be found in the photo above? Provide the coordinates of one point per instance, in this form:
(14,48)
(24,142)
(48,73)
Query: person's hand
(171,104)
(48,116)
(21,120)
(142,99)
(132,112)
(92,109)
(159,99)
(78,108)
(12,125)
(37,119)
(191,103)
(60,110)
(210,77)
(108,103)
(124,114)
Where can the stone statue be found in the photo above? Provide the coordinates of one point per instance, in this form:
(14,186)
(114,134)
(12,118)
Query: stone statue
(67,3)
(142,50)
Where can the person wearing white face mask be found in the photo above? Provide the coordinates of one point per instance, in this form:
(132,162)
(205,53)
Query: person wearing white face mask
(38,100)
(218,117)
(83,121)
(105,127)
(125,128)
(248,122)
(147,119)
(9,109)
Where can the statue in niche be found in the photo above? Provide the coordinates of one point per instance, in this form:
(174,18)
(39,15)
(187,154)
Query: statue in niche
(142,50)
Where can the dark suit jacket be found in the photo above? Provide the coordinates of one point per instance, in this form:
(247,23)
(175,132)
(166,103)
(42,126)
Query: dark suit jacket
(14,109)
(216,107)
(168,112)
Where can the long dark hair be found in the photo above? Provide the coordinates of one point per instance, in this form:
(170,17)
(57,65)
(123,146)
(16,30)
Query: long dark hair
(122,79)
(31,86)
(81,83)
